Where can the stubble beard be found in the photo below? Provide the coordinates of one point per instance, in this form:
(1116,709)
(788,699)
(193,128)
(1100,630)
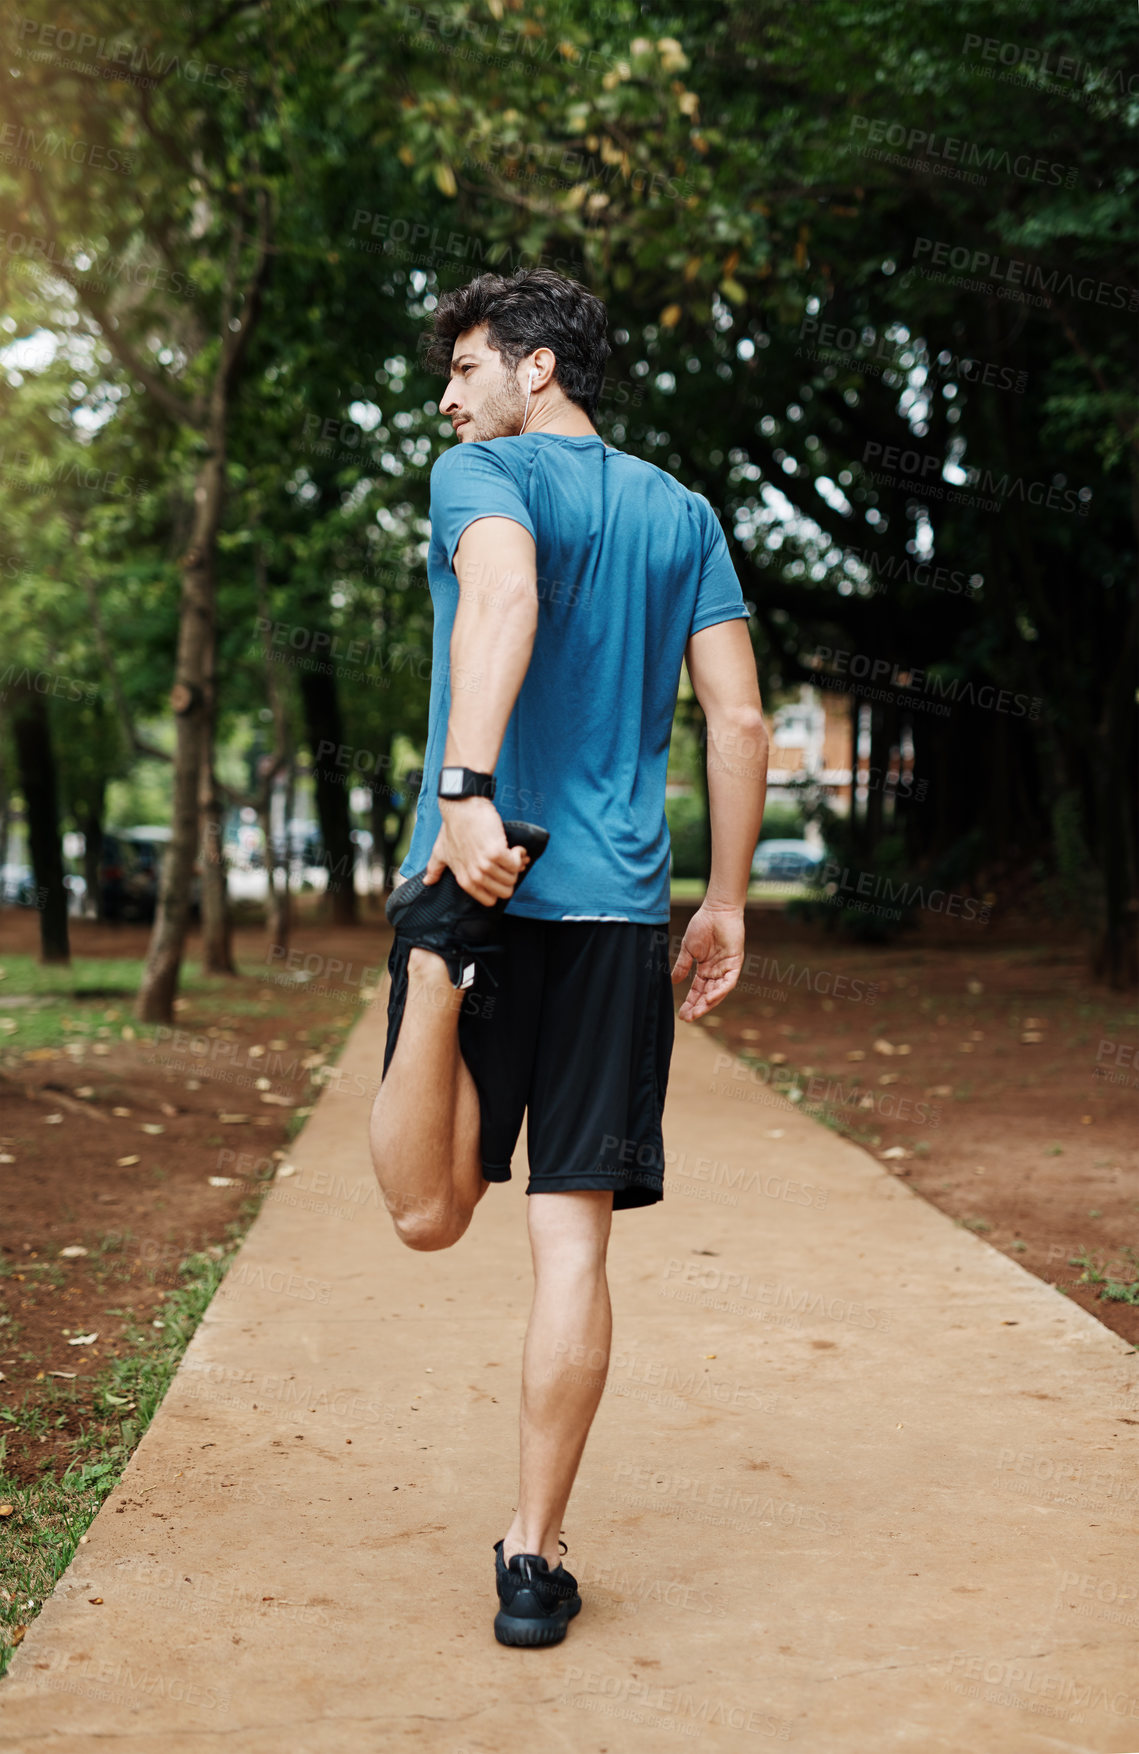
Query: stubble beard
(500,415)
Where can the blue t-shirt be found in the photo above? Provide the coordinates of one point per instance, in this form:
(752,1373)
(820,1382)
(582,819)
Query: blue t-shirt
(630,564)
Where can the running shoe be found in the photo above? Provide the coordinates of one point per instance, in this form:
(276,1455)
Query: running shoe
(442,917)
(536,1604)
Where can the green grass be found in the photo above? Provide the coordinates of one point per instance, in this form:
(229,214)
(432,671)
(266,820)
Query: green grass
(1111,1290)
(42,1532)
(685,889)
(92,1000)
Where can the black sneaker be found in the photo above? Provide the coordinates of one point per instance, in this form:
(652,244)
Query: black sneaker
(537,1604)
(442,917)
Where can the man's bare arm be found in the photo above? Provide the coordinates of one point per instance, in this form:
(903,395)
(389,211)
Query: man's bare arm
(721,666)
(491,645)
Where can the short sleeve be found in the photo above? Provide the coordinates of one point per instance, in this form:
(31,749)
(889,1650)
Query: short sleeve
(473,481)
(719,596)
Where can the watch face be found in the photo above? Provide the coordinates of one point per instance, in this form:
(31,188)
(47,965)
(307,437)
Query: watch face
(450,782)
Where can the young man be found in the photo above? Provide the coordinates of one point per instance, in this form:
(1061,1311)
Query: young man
(569,581)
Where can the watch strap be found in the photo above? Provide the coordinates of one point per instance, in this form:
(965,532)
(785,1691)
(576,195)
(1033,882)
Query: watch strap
(465,782)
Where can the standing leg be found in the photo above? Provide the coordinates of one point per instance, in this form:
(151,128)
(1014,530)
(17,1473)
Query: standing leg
(565,1359)
(425,1127)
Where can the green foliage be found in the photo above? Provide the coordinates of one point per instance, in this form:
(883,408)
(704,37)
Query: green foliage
(687,827)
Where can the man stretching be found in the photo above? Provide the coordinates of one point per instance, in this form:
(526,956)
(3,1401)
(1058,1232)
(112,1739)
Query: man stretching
(569,582)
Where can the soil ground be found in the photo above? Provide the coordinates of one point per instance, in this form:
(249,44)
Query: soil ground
(998,1080)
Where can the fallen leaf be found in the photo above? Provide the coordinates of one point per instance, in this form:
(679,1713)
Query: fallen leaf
(277,1101)
(69,1374)
(127,1032)
(85,1090)
(278,1046)
(223,1181)
(263,1084)
(1031,1035)
(83,1339)
(5,1157)
(72,1251)
(125,1162)
(778,1059)
(882,1046)
(52,1120)
(856,1054)
(193,1084)
(152,1127)
(939,1090)
(100,1047)
(169,1109)
(897,1151)
(974,987)
(123,1112)
(18,1634)
(9,1025)
(39,1053)
(890,1078)
(233,1120)
(1034,1023)
(285,1169)
(7,1509)
(95,1601)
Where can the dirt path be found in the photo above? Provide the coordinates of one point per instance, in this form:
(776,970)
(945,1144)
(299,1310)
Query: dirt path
(854,1467)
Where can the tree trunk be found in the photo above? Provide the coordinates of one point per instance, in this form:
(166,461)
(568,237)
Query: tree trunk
(195,645)
(1117,955)
(5,798)
(325,731)
(35,761)
(217,928)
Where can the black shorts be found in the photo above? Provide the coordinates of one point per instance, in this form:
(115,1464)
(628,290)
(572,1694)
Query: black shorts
(577,1035)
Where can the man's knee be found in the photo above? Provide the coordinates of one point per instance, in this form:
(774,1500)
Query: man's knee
(426,1227)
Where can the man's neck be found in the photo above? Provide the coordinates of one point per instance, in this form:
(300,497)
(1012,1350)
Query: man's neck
(568,421)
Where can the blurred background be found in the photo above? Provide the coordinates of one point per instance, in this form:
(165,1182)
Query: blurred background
(872,291)
(872,285)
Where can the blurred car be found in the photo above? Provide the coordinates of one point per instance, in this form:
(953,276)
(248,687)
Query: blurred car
(786,861)
(18,885)
(130,868)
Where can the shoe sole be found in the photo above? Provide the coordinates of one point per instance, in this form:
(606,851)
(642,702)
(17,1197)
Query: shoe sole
(525,1631)
(403,899)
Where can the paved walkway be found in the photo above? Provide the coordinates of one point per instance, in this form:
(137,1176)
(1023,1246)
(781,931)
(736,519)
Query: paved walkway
(859,1482)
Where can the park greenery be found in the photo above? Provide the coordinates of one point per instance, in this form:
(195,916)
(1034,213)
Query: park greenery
(872,286)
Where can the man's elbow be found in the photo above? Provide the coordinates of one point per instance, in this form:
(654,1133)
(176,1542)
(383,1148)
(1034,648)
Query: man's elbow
(738,741)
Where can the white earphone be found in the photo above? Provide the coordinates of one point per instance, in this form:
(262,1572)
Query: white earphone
(529,388)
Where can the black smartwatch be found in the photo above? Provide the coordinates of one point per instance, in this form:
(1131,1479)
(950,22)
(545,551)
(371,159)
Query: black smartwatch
(464,782)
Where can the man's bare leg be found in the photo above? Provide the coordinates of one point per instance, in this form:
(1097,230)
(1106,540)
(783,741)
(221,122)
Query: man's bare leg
(425,1123)
(564,1362)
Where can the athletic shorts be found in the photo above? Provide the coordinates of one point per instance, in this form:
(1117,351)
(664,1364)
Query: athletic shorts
(571,1025)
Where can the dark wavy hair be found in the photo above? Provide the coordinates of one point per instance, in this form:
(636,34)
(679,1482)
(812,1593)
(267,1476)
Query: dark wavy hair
(533,307)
